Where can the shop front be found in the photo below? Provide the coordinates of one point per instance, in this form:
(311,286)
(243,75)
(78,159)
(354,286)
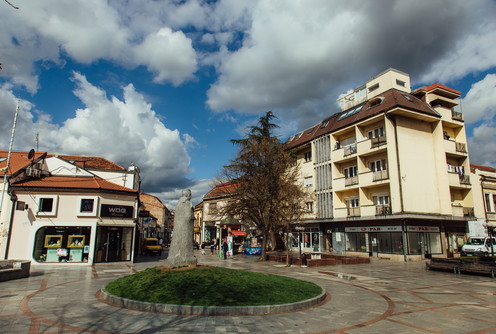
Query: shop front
(306,239)
(114,243)
(63,244)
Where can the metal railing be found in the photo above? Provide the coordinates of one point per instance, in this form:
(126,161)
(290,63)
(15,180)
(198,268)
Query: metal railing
(461,147)
(381,210)
(464,179)
(380,175)
(378,141)
(468,212)
(353,212)
(349,181)
(458,116)
(349,150)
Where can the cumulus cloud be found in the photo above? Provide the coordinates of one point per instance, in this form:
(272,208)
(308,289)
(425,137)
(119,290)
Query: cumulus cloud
(299,56)
(123,131)
(479,110)
(88,31)
(479,103)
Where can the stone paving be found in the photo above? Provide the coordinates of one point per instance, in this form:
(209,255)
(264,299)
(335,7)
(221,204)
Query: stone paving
(380,297)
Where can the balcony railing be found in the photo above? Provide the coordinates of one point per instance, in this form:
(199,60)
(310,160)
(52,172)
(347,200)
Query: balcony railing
(349,150)
(349,181)
(468,212)
(382,210)
(380,175)
(378,141)
(458,116)
(353,212)
(464,179)
(461,147)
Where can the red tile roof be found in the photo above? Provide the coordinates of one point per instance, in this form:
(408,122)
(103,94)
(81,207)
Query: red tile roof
(438,86)
(18,160)
(221,190)
(483,168)
(90,162)
(68,182)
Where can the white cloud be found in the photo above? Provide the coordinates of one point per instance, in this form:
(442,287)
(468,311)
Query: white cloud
(298,56)
(481,145)
(198,190)
(479,103)
(123,131)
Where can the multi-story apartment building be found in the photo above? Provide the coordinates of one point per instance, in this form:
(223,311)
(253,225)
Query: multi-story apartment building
(56,209)
(153,218)
(390,173)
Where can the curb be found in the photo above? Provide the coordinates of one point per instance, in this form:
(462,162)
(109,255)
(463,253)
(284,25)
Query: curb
(211,310)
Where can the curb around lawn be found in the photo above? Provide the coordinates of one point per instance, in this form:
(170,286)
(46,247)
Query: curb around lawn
(211,310)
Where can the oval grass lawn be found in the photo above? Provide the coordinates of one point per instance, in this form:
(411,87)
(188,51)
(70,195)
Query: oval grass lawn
(212,286)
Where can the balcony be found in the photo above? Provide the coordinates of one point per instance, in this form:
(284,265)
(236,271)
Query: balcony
(380,175)
(353,212)
(457,116)
(461,147)
(378,141)
(464,179)
(458,180)
(382,210)
(349,150)
(350,181)
(468,212)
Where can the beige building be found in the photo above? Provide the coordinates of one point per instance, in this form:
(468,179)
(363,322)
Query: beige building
(390,173)
(154,220)
(483,180)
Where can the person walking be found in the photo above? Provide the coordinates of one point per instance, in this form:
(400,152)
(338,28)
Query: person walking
(212,247)
(203,248)
(225,249)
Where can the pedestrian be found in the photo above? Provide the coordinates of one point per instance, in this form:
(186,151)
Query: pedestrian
(161,242)
(203,248)
(225,248)
(212,247)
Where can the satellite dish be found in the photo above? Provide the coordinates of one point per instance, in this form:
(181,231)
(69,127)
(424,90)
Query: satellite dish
(31,154)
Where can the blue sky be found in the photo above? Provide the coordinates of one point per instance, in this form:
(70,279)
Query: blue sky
(166,84)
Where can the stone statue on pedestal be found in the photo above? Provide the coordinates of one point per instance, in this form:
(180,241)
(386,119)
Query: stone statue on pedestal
(181,248)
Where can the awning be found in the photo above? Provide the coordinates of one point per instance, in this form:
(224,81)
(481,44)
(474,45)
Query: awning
(238,233)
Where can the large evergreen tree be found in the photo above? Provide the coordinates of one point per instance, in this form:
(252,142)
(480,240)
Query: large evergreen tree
(267,195)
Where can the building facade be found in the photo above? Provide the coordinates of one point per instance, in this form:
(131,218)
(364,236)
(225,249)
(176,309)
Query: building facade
(58,211)
(390,173)
(483,180)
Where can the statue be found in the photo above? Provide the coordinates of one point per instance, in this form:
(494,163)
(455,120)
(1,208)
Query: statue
(181,248)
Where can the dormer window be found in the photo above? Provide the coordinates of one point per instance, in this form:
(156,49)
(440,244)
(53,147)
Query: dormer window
(375,102)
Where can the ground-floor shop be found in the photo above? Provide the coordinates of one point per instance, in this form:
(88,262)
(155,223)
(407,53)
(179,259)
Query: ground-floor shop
(407,240)
(308,238)
(81,243)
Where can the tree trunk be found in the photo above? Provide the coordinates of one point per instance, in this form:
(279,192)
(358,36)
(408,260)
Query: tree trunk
(265,236)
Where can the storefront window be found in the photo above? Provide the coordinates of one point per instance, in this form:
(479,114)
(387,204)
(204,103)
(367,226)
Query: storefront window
(62,244)
(422,243)
(356,242)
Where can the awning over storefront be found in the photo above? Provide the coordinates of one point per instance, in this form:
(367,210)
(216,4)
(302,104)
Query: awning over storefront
(238,233)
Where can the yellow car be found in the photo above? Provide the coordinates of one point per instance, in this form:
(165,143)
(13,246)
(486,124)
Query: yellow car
(151,246)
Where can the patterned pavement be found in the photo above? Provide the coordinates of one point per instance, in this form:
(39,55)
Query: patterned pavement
(381,297)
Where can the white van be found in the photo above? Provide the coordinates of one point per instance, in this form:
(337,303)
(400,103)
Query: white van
(478,246)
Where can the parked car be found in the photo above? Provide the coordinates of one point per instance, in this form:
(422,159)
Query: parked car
(478,246)
(150,246)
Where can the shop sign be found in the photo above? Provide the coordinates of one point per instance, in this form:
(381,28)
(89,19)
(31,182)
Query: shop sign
(238,233)
(422,228)
(144,213)
(373,229)
(118,211)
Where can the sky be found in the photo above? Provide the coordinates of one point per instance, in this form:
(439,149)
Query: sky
(166,84)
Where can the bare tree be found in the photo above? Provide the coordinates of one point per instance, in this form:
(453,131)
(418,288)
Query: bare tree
(267,196)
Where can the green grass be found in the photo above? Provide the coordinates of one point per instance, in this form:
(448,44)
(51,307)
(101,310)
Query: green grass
(212,286)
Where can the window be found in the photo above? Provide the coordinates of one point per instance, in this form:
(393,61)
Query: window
(376,133)
(380,199)
(88,206)
(350,171)
(400,83)
(212,208)
(378,165)
(488,202)
(375,102)
(373,87)
(309,206)
(407,97)
(352,202)
(494,202)
(308,181)
(308,156)
(47,205)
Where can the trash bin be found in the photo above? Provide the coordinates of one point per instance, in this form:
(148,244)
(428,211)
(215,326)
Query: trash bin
(303,259)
